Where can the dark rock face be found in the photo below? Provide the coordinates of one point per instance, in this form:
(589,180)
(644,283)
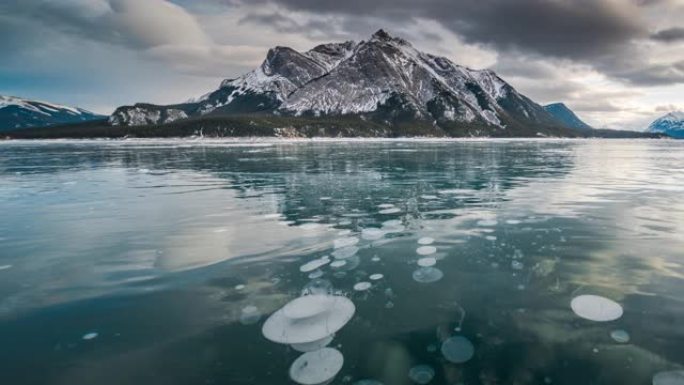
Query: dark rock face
(17,113)
(566,116)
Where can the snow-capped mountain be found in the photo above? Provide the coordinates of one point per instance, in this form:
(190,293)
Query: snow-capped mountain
(562,113)
(671,124)
(17,113)
(384,79)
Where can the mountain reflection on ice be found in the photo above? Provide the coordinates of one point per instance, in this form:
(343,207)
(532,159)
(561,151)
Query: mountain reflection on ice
(463,260)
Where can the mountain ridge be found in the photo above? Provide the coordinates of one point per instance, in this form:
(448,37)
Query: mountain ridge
(19,113)
(671,124)
(384,79)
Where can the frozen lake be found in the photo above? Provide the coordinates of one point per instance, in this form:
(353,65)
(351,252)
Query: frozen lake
(441,262)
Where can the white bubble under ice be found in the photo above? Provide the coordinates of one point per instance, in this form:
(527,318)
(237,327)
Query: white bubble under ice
(89,336)
(362,286)
(620,336)
(427,262)
(314,345)
(674,377)
(309,318)
(316,367)
(421,374)
(426,250)
(457,349)
(345,242)
(596,308)
(372,234)
(427,275)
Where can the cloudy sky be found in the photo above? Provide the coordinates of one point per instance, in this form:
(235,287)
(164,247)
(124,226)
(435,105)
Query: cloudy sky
(617,63)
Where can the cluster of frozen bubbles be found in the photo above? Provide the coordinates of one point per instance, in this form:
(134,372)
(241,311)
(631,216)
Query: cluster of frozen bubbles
(601,309)
(308,323)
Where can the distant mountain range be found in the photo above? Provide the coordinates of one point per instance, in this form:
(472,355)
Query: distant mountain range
(671,124)
(565,115)
(17,113)
(382,87)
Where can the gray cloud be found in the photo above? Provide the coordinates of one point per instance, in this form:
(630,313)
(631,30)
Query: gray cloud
(669,35)
(560,28)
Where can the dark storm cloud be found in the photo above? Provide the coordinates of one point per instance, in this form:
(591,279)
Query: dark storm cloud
(669,35)
(560,28)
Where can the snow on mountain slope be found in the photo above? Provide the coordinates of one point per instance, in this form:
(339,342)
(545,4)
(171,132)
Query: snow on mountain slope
(671,124)
(385,77)
(17,113)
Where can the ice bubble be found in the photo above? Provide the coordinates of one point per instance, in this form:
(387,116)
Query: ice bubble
(517,265)
(596,308)
(457,349)
(427,275)
(620,336)
(250,315)
(427,262)
(393,210)
(675,377)
(338,263)
(392,223)
(308,319)
(309,226)
(318,286)
(313,346)
(490,238)
(89,336)
(362,286)
(426,250)
(429,197)
(5,267)
(375,277)
(316,367)
(385,206)
(313,265)
(375,258)
(426,241)
(345,242)
(239,287)
(421,374)
(513,222)
(372,234)
(345,252)
(315,274)
(487,222)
